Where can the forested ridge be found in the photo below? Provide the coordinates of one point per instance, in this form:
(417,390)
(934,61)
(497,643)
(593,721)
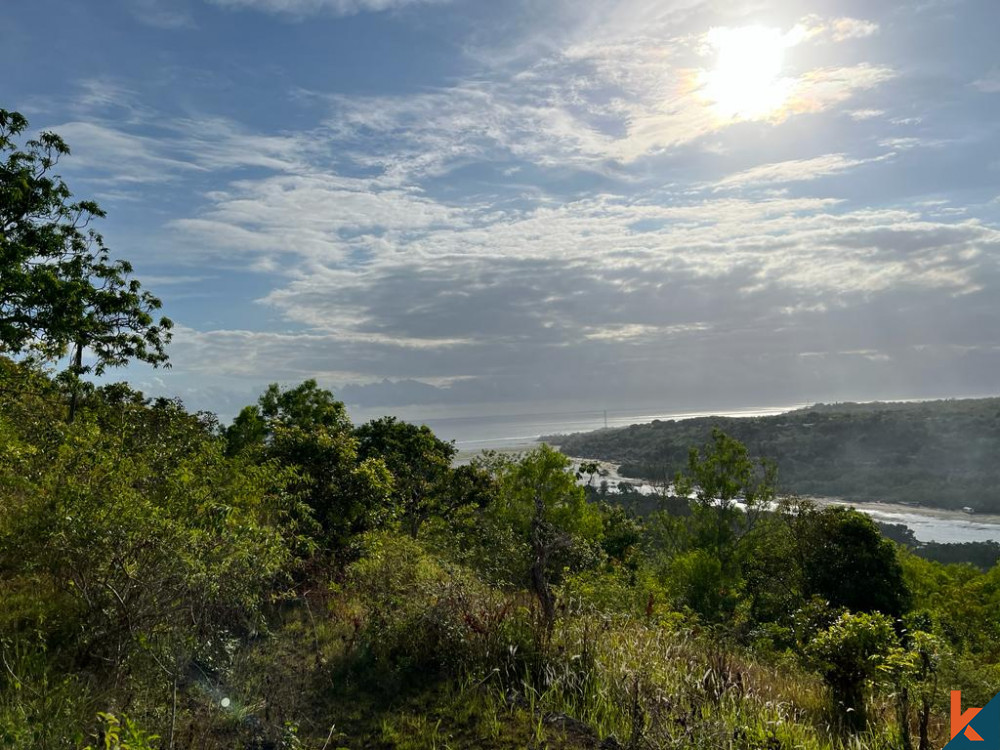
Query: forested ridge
(941,454)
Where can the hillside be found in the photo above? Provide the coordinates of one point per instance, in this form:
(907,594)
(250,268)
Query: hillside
(934,453)
(296,581)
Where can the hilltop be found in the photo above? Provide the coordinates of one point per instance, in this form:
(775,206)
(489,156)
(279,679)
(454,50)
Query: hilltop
(939,454)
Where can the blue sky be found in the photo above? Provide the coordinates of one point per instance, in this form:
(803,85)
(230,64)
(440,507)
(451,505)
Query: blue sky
(435,205)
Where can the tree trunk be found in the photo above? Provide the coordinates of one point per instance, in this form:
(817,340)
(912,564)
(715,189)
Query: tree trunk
(903,711)
(77,367)
(539,577)
(925,720)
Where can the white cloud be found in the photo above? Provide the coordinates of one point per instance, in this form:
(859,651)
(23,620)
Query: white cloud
(821,89)
(144,150)
(989,83)
(367,265)
(592,251)
(164,14)
(796,170)
(302,8)
(317,216)
(591,105)
(112,155)
(910,142)
(852,28)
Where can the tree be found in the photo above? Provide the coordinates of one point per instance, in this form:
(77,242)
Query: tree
(424,484)
(912,671)
(540,501)
(307,428)
(721,476)
(148,546)
(847,561)
(60,288)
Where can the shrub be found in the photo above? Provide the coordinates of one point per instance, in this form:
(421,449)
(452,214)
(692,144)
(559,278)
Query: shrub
(848,655)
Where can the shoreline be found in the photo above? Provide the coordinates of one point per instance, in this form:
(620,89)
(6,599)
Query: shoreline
(928,524)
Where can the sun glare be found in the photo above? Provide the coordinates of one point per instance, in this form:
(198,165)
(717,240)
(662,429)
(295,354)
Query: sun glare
(747,81)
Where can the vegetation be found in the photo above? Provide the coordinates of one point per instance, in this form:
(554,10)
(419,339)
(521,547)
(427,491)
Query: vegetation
(937,453)
(294,580)
(60,286)
(167,582)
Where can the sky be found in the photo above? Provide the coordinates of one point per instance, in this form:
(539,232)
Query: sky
(458,206)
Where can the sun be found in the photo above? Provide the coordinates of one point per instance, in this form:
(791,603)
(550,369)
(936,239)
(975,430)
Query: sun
(747,81)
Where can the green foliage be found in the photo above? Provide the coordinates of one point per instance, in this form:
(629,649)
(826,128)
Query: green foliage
(731,490)
(307,429)
(305,407)
(131,545)
(698,578)
(965,603)
(939,453)
(421,614)
(846,560)
(912,672)
(542,522)
(60,286)
(543,478)
(849,655)
(122,734)
(155,566)
(424,484)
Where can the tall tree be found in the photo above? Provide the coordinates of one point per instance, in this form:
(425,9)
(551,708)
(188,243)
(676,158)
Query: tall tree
(307,428)
(541,503)
(424,484)
(723,476)
(847,561)
(60,289)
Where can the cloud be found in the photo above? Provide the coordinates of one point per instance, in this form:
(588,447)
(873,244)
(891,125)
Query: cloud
(822,89)
(303,8)
(111,155)
(911,142)
(545,226)
(163,14)
(989,83)
(397,283)
(597,105)
(843,29)
(145,148)
(795,170)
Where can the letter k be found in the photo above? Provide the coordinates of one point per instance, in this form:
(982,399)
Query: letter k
(961,721)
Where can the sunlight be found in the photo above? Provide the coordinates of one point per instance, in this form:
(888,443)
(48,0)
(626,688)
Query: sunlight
(746,83)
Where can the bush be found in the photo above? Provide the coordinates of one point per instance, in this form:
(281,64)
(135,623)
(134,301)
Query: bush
(421,614)
(848,655)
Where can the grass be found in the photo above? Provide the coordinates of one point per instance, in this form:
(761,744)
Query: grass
(615,680)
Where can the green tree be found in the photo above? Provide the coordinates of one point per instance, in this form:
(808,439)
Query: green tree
(148,547)
(772,577)
(731,490)
(307,428)
(539,500)
(722,477)
(912,672)
(847,561)
(420,463)
(59,286)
